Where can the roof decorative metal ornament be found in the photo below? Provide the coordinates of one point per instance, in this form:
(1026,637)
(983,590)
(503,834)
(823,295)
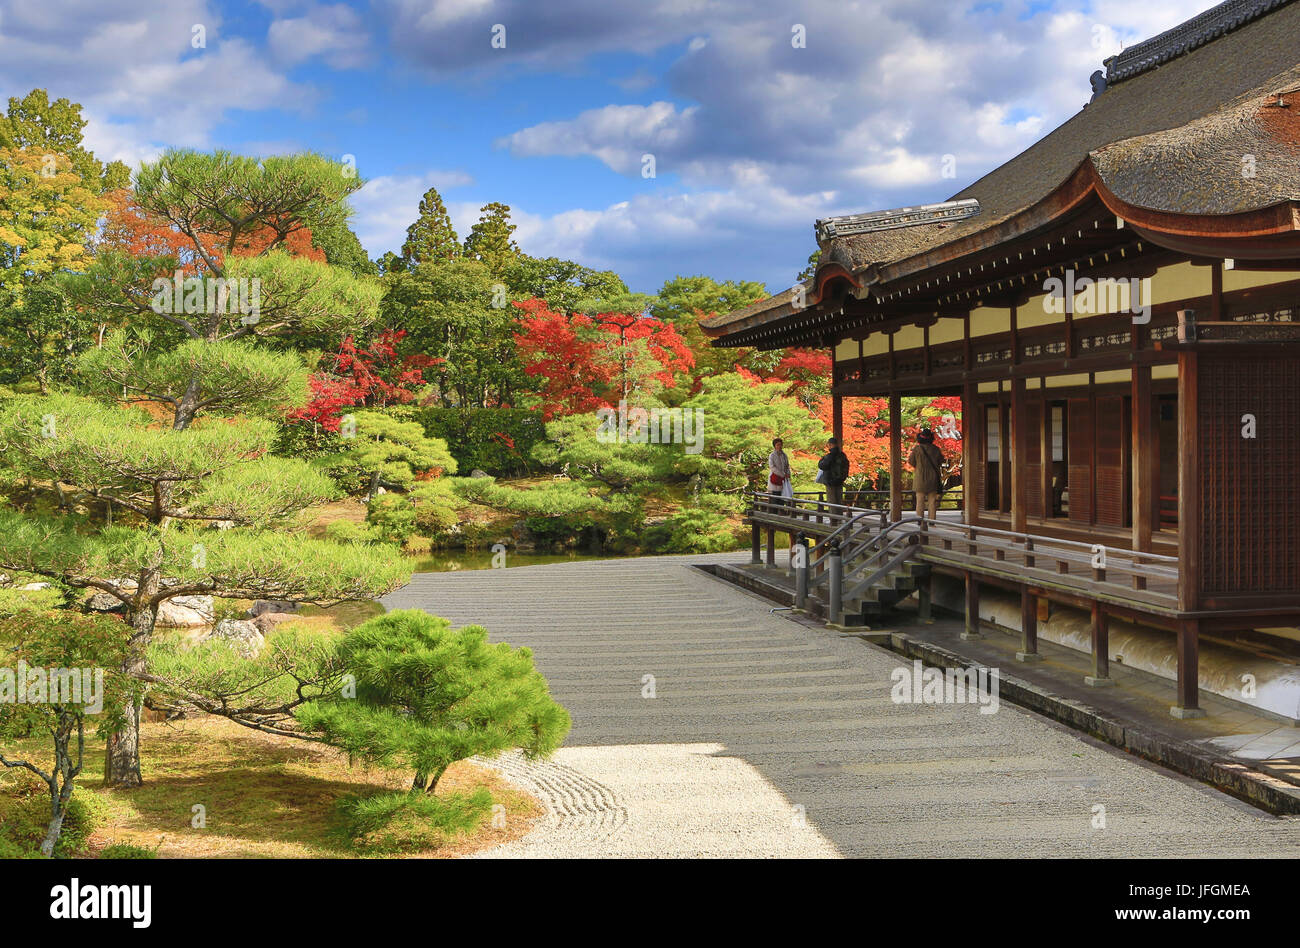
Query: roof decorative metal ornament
(1185,37)
(828,227)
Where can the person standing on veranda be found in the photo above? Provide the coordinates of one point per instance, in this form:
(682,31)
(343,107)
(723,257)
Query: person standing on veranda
(833,471)
(778,471)
(927,464)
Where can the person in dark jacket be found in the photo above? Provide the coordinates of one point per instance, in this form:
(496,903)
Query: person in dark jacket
(834,467)
(927,467)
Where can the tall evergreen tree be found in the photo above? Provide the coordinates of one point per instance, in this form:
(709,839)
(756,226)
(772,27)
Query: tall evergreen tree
(431,237)
(489,240)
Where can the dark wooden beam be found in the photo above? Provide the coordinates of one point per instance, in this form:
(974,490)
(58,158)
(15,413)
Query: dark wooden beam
(895,455)
(1146,506)
(1189,485)
(1019,458)
(969,419)
(972,630)
(1045,452)
(1100,647)
(1028,626)
(1189,702)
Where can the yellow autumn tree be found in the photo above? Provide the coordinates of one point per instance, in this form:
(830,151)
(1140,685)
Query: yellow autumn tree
(48,214)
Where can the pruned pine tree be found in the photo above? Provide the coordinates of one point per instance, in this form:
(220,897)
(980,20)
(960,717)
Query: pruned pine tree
(173,486)
(428,695)
(219,203)
(390,453)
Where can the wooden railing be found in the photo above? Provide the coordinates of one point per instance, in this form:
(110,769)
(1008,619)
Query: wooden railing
(812,515)
(1127,577)
(951,499)
(854,546)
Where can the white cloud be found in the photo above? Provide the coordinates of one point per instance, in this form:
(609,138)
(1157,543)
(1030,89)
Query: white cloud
(687,231)
(617,134)
(335,33)
(388,204)
(882,93)
(136,72)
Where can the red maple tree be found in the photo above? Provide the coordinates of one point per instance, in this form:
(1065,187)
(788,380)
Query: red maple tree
(370,376)
(581,363)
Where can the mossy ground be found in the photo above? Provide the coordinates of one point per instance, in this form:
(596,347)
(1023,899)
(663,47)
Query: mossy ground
(263,795)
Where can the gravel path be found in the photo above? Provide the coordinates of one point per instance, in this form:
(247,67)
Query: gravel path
(767,738)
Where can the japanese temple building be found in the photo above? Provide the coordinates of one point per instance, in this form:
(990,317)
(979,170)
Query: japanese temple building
(1119,309)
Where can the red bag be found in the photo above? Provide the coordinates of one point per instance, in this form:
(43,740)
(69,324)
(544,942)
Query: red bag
(776,479)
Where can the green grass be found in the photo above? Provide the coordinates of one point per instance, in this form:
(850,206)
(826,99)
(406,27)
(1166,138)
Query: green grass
(262,796)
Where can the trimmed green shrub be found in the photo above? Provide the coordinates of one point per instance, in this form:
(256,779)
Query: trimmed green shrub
(411,822)
(498,441)
(25,824)
(704,528)
(349,531)
(437,508)
(428,695)
(392,517)
(563,512)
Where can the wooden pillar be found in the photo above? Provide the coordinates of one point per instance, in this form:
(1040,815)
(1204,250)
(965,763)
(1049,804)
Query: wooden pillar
(1004,453)
(1100,647)
(1028,627)
(835,492)
(1189,486)
(771,546)
(895,456)
(1216,291)
(1145,503)
(972,630)
(1019,458)
(1189,704)
(969,502)
(756,554)
(1092,423)
(1045,454)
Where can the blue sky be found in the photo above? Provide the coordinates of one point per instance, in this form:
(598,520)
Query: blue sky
(753,134)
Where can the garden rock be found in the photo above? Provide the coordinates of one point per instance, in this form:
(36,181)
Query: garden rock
(242,634)
(270,620)
(103,602)
(186,612)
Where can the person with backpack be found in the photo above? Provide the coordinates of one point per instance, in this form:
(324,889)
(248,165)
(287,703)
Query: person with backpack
(927,466)
(833,471)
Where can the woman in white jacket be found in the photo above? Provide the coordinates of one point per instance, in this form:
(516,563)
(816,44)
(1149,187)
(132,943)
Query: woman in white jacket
(778,471)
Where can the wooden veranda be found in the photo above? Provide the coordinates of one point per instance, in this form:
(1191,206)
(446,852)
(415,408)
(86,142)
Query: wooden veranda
(842,554)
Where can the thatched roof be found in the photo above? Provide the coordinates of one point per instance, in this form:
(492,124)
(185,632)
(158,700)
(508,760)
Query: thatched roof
(1168,133)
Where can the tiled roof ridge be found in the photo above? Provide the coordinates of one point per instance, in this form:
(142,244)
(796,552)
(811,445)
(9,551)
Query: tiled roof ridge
(1199,30)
